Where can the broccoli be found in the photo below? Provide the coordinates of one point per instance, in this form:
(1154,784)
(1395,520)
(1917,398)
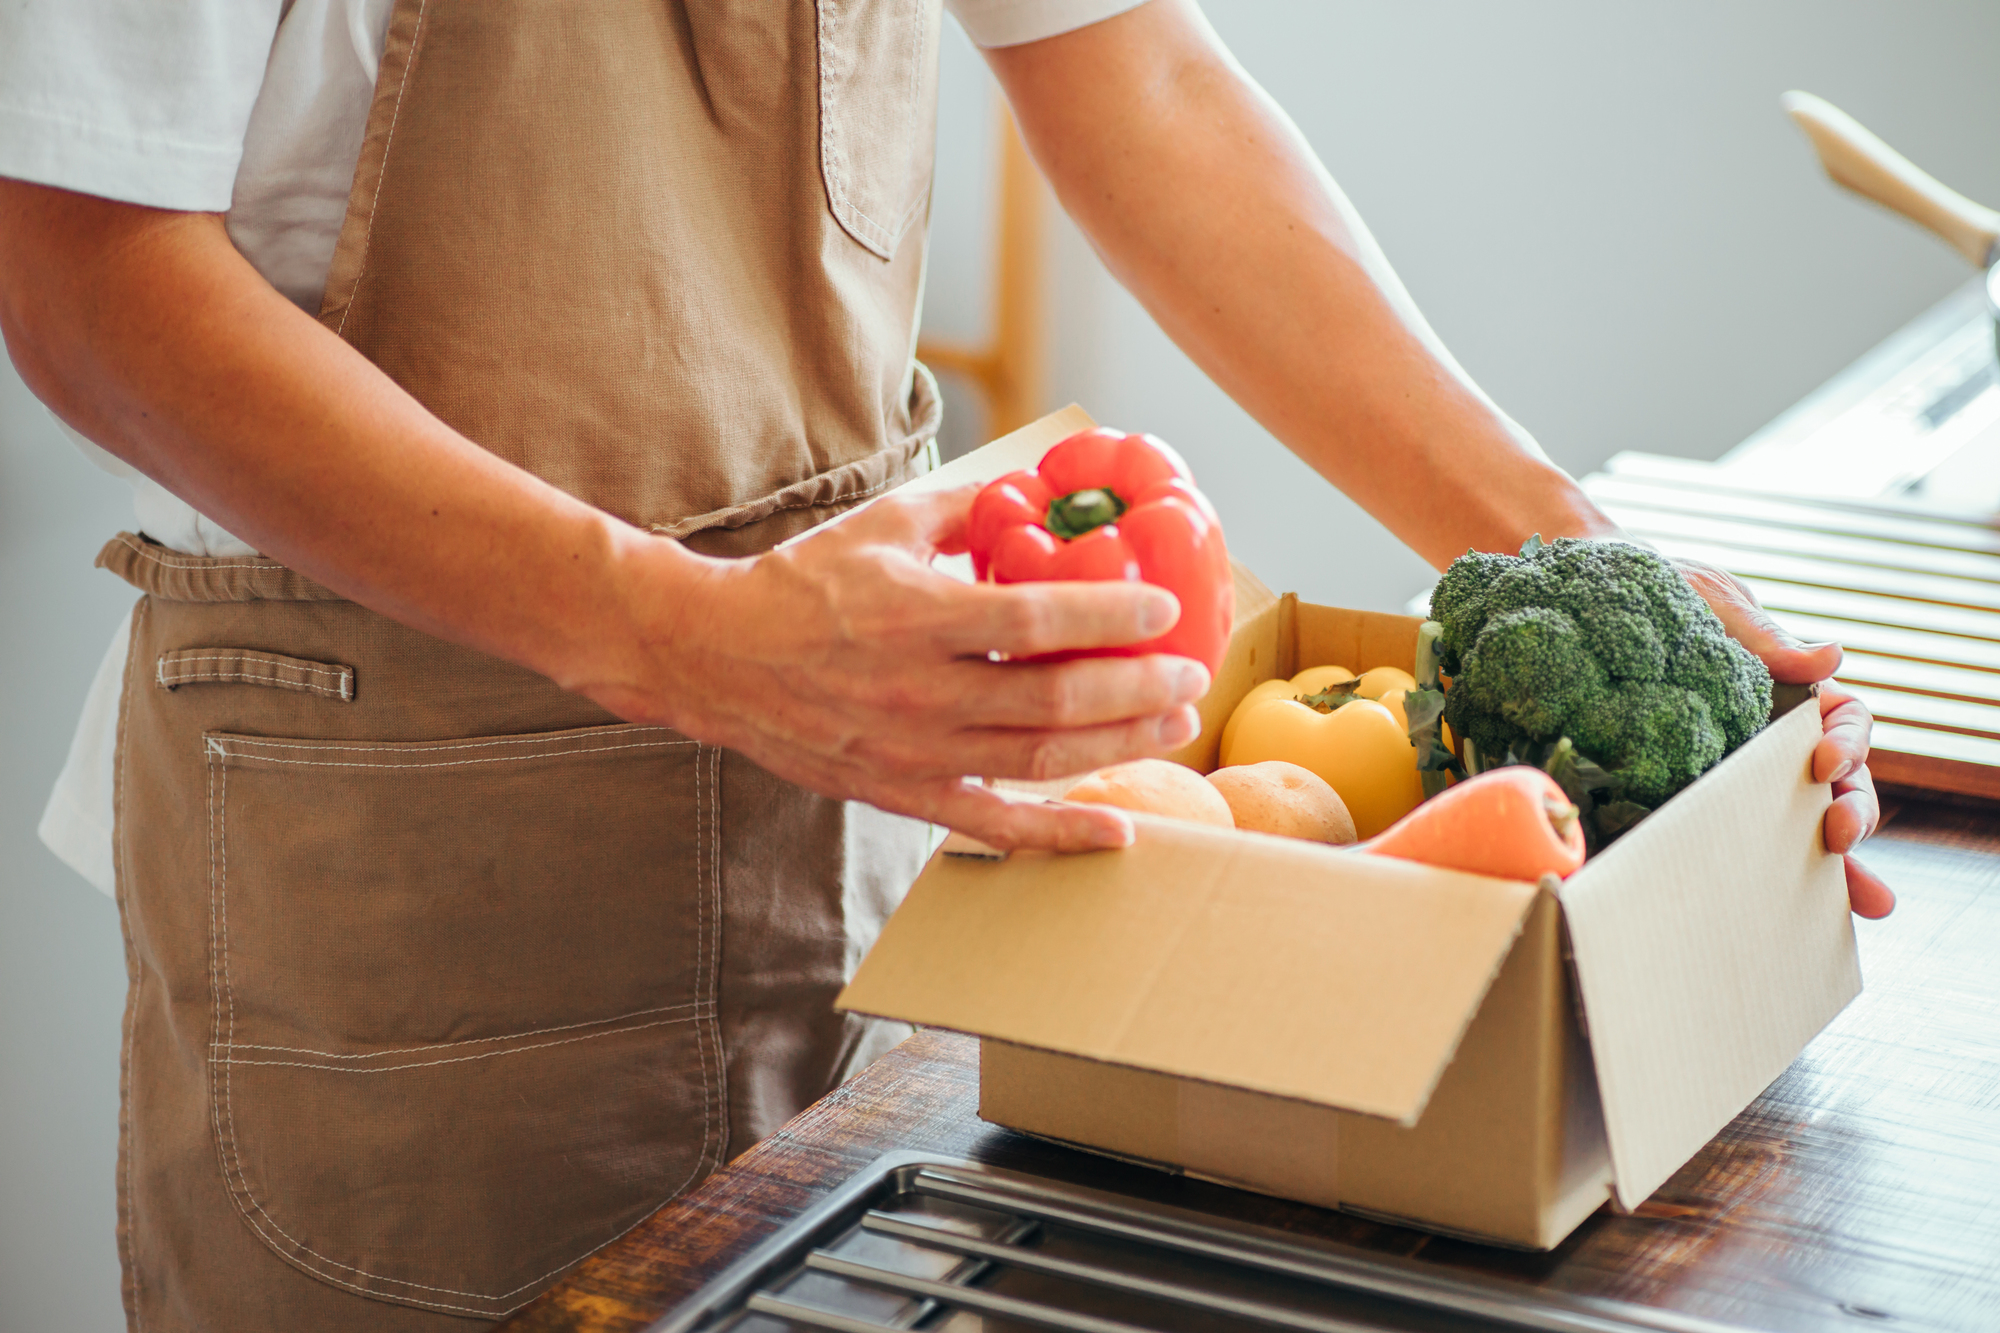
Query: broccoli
(1601,642)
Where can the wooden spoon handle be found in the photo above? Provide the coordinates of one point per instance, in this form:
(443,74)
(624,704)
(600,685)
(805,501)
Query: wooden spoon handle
(1855,158)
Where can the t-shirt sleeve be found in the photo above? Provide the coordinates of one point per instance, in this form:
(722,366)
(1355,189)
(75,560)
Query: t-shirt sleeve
(144,101)
(1012,22)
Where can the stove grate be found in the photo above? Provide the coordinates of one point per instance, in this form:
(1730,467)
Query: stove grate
(931,1244)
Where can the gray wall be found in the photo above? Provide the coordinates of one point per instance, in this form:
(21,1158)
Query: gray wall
(62,967)
(1598,204)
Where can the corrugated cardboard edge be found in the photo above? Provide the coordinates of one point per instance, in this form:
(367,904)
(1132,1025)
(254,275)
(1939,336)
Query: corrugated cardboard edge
(1711,944)
(1157,956)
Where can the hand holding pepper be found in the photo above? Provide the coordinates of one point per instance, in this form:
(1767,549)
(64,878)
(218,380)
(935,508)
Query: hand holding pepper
(1104,505)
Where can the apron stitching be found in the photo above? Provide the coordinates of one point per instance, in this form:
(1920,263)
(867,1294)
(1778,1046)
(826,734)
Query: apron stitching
(271,670)
(466,1041)
(833,163)
(222,1139)
(382,172)
(219,889)
(850,496)
(275,675)
(220,824)
(721,1140)
(193,562)
(129,1243)
(450,763)
(704,858)
(715,966)
(879,486)
(247,658)
(456,1060)
(259,677)
(580,745)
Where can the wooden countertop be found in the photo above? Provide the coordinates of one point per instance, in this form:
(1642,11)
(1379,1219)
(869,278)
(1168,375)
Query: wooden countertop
(1861,1191)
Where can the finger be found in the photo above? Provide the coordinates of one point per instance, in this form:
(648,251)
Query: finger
(1028,619)
(1087,692)
(1789,659)
(1044,755)
(1866,893)
(1848,725)
(998,822)
(1850,819)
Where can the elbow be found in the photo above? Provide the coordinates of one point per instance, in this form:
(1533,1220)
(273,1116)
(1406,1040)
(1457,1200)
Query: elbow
(17,329)
(25,308)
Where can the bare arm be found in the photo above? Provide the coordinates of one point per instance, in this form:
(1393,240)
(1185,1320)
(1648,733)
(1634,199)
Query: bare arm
(1207,203)
(150,334)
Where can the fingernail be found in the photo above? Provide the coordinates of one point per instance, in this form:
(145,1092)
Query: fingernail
(1112,836)
(1846,767)
(1191,683)
(1181,728)
(1158,612)
(1815,647)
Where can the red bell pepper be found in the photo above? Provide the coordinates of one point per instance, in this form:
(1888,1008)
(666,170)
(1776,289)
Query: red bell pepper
(1106,505)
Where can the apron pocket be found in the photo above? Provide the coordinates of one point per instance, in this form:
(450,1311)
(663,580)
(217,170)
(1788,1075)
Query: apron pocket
(878,63)
(463,1000)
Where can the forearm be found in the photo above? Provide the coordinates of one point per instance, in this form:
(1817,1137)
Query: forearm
(1207,203)
(151,335)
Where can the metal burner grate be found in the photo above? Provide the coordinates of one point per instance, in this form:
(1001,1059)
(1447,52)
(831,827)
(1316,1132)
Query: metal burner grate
(931,1244)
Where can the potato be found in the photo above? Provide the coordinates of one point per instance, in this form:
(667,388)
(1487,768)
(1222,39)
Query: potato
(1285,799)
(1155,787)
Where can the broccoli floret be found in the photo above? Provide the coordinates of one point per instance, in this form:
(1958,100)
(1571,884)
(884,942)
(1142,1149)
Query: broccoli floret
(1534,668)
(1603,642)
(1660,737)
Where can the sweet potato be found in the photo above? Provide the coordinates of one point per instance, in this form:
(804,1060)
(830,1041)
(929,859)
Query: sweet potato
(1511,823)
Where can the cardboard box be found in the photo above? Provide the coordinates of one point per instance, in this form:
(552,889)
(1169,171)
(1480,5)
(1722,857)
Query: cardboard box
(1482,1057)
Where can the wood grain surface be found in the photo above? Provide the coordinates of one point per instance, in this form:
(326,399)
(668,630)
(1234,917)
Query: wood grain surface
(1861,1191)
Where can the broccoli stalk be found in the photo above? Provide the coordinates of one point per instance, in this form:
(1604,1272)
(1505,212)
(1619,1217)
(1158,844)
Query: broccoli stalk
(1597,794)
(1424,708)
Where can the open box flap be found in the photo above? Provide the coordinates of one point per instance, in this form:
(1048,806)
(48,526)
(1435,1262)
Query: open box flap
(1705,955)
(1266,963)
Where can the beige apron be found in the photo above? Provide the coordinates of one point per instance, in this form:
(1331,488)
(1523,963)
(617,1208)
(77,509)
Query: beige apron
(442,977)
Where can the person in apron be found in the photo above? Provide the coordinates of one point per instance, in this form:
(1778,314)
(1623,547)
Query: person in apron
(454,952)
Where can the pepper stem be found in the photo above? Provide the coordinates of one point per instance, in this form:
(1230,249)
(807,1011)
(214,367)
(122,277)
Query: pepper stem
(1072,515)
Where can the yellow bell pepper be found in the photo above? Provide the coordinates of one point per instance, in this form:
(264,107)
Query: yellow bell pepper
(1361,748)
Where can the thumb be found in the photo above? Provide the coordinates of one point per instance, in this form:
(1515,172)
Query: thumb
(1790,660)
(926,520)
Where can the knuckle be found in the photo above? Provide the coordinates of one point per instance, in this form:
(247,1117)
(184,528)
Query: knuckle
(1046,759)
(1061,699)
(1029,622)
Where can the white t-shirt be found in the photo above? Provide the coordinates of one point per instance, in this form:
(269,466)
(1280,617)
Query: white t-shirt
(255,109)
